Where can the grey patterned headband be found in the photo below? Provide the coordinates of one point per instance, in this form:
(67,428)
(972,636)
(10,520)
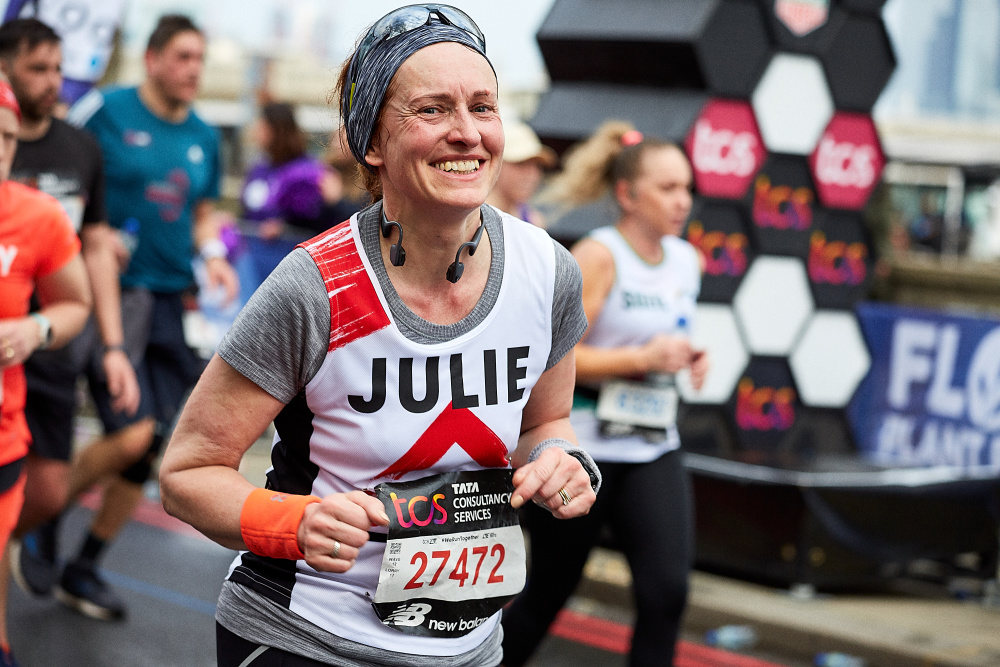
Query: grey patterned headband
(377,71)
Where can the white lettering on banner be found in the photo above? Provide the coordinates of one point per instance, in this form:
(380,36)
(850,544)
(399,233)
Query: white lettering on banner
(983,383)
(937,443)
(944,399)
(7,255)
(845,164)
(915,342)
(723,152)
(912,340)
(926,353)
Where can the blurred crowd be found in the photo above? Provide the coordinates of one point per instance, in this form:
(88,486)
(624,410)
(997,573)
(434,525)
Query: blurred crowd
(141,225)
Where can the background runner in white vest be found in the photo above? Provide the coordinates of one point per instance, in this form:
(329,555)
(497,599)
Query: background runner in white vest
(429,335)
(640,284)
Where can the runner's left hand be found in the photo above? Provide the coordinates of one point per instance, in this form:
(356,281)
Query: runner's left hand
(122,383)
(221,273)
(542,479)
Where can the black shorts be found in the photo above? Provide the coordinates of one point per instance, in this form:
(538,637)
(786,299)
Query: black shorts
(233,651)
(165,366)
(51,400)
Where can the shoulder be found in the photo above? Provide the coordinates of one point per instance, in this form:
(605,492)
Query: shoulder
(26,198)
(683,251)
(66,132)
(98,102)
(46,215)
(595,251)
(518,231)
(197,125)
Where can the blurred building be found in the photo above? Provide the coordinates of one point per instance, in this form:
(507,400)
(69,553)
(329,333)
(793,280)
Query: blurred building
(940,121)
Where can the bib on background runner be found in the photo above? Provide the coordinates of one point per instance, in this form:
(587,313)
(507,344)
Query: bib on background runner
(648,408)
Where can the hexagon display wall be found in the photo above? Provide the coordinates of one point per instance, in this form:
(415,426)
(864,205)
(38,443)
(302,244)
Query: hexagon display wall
(792,103)
(830,360)
(771,100)
(783,205)
(720,231)
(773,304)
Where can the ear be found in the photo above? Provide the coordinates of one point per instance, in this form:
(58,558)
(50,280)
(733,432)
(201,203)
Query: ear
(149,59)
(374,155)
(624,194)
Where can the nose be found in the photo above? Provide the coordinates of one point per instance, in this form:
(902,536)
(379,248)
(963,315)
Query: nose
(463,129)
(687,199)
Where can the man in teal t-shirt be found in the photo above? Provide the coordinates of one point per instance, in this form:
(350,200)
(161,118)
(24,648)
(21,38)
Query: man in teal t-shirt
(157,173)
(161,173)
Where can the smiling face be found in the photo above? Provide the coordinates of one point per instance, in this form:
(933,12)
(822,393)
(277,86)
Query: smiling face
(660,196)
(439,143)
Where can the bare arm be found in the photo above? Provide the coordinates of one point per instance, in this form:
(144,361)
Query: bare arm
(65,299)
(200,481)
(546,415)
(666,354)
(101,257)
(207,229)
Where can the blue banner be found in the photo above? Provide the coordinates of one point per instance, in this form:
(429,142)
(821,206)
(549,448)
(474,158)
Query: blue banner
(932,396)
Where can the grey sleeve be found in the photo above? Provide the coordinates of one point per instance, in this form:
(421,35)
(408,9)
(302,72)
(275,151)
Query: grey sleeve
(568,319)
(280,338)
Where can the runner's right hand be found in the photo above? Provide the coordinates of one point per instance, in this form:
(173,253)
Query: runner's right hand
(666,354)
(343,518)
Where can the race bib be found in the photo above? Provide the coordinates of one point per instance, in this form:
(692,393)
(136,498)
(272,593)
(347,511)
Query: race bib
(454,554)
(637,404)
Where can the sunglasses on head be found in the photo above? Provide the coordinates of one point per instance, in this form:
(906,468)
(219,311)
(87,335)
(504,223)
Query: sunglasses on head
(409,18)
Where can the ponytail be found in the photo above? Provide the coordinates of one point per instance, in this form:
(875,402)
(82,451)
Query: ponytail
(613,153)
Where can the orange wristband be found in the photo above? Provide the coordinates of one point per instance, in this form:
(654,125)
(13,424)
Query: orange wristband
(269,523)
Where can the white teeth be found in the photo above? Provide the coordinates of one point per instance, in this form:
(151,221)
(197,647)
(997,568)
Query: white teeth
(458,166)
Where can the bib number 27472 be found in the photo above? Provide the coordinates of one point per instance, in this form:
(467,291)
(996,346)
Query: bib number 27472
(454,554)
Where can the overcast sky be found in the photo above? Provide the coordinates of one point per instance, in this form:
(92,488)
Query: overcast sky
(332,26)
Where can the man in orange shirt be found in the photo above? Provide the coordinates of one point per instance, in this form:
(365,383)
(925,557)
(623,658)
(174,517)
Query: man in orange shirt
(39,252)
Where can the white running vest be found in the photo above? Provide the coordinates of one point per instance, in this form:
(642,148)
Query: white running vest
(645,300)
(384,408)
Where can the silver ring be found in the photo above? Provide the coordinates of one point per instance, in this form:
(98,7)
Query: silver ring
(566,498)
(336,550)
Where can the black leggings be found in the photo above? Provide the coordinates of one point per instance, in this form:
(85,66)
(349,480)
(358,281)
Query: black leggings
(231,650)
(648,507)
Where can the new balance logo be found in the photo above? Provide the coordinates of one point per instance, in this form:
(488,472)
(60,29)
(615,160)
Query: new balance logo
(408,616)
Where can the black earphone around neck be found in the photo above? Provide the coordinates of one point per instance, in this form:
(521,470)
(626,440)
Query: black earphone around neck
(456,268)
(397,255)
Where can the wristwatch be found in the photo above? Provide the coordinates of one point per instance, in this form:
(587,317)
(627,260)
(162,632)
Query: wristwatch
(44,330)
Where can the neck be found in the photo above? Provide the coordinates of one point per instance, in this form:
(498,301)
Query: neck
(647,244)
(160,105)
(431,244)
(34,129)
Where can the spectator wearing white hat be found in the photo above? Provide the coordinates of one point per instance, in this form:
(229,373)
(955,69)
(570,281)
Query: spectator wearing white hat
(524,160)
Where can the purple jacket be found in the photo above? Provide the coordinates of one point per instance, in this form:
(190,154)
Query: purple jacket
(290,191)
